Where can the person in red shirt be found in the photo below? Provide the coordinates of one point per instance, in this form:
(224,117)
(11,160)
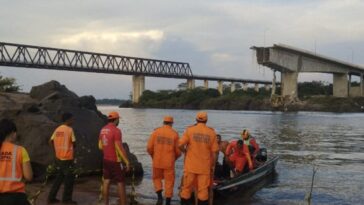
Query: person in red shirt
(110,142)
(163,148)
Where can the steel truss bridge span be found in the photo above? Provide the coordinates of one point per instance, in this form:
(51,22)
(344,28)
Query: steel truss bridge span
(18,55)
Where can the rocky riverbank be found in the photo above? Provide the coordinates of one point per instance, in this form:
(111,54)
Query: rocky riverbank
(38,113)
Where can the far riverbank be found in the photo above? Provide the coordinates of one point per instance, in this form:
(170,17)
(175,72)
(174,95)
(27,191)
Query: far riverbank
(244,100)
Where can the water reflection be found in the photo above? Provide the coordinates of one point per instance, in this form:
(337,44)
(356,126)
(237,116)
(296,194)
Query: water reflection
(333,142)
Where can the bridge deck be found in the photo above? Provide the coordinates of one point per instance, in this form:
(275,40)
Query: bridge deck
(287,58)
(28,56)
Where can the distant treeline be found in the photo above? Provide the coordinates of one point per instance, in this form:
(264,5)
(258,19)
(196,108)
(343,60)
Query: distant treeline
(200,98)
(205,99)
(106,101)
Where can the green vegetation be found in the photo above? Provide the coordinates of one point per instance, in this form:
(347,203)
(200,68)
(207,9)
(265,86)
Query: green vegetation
(307,89)
(205,99)
(8,85)
(315,96)
(107,101)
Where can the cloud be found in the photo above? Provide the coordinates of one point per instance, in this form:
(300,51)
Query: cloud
(138,43)
(111,37)
(222,57)
(213,36)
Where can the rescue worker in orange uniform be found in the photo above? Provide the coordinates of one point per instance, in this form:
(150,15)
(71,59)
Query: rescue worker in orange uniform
(163,148)
(15,166)
(110,142)
(200,146)
(250,142)
(238,154)
(63,140)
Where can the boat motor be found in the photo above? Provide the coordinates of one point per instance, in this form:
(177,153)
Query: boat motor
(262,155)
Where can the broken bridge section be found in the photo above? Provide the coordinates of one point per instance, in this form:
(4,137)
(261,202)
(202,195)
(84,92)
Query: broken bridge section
(291,61)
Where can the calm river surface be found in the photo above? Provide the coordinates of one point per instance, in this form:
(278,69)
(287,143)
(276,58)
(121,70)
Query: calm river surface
(333,142)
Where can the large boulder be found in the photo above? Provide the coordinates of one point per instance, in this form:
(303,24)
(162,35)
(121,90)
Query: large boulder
(37,115)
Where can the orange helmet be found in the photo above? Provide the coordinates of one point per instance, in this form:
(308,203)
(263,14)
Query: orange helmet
(201,116)
(113,115)
(168,118)
(245,134)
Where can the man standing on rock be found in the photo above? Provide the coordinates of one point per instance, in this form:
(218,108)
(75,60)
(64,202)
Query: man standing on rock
(63,141)
(199,143)
(163,148)
(110,142)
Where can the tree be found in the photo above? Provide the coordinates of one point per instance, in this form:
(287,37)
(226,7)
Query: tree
(182,86)
(8,85)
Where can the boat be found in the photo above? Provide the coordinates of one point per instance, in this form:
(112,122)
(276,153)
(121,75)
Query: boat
(247,180)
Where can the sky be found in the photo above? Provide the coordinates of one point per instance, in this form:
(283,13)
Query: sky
(214,36)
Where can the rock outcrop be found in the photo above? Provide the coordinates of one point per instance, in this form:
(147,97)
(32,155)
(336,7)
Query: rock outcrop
(37,115)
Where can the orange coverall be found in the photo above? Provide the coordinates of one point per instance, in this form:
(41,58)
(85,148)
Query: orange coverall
(163,148)
(239,157)
(201,151)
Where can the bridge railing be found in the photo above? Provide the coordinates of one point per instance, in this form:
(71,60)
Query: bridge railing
(18,55)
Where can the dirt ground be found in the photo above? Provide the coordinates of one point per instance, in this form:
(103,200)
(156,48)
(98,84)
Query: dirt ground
(86,192)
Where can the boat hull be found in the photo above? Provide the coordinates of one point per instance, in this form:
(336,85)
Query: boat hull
(247,180)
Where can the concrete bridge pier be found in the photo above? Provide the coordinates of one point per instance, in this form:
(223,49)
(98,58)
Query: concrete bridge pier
(206,84)
(289,84)
(190,84)
(349,86)
(362,84)
(232,87)
(340,85)
(220,87)
(274,83)
(256,87)
(138,87)
(245,86)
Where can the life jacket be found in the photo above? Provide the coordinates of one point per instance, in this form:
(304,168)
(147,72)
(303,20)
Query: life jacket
(247,142)
(63,144)
(11,171)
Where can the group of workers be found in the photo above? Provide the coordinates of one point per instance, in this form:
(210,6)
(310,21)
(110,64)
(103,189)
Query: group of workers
(199,143)
(16,169)
(201,146)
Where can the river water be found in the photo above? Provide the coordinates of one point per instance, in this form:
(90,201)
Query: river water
(334,143)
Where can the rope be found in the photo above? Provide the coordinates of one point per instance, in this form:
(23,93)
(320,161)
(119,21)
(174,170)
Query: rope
(133,193)
(101,189)
(51,169)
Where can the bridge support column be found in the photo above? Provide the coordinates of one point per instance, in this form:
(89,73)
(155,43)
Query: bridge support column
(349,86)
(289,84)
(362,84)
(220,87)
(256,87)
(340,85)
(206,84)
(138,87)
(245,86)
(274,83)
(190,84)
(232,87)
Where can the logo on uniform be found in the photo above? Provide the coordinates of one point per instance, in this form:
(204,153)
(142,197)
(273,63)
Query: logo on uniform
(201,138)
(6,156)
